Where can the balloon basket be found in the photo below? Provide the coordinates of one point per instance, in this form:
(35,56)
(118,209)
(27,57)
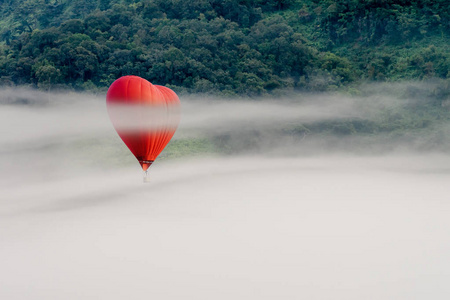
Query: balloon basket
(146,178)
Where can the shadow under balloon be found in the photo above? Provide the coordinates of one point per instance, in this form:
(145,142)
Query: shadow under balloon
(120,193)
(221,170)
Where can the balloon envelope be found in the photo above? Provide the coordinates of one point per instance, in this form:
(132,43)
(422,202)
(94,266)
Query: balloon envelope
(144,115)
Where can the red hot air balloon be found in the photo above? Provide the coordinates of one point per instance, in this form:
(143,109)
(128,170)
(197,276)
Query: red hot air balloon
(144,115)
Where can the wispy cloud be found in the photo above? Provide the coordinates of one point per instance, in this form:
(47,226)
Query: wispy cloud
(76,221)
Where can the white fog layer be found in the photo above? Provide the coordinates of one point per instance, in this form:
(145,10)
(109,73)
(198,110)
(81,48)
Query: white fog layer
(77,222)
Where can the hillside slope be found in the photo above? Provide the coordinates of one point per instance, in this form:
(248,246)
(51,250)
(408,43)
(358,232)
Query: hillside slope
(229,47)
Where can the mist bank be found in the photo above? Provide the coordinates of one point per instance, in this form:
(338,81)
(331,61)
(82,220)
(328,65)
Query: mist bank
(240,227)
(242,204)
(66,132)
(376,118)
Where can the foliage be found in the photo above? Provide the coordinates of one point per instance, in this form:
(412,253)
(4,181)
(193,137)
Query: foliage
(228,47)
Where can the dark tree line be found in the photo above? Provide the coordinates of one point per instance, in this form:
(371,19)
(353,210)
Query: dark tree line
(248,47)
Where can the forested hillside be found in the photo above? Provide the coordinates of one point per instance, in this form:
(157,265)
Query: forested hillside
(225,47)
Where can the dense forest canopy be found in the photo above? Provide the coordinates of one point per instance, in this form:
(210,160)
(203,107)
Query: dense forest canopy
(226,47)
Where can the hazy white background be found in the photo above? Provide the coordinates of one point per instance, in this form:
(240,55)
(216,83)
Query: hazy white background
(76,221)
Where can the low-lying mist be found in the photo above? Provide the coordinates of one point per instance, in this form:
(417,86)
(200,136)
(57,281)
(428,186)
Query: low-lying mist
(321,196)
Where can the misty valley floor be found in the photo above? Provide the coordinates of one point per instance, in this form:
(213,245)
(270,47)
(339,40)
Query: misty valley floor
(77,222)
(331,227)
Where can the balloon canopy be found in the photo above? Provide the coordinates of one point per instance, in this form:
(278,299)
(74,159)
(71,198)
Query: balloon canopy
(144,115)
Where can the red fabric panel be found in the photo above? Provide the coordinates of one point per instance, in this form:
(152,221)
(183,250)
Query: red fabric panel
(144,115)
